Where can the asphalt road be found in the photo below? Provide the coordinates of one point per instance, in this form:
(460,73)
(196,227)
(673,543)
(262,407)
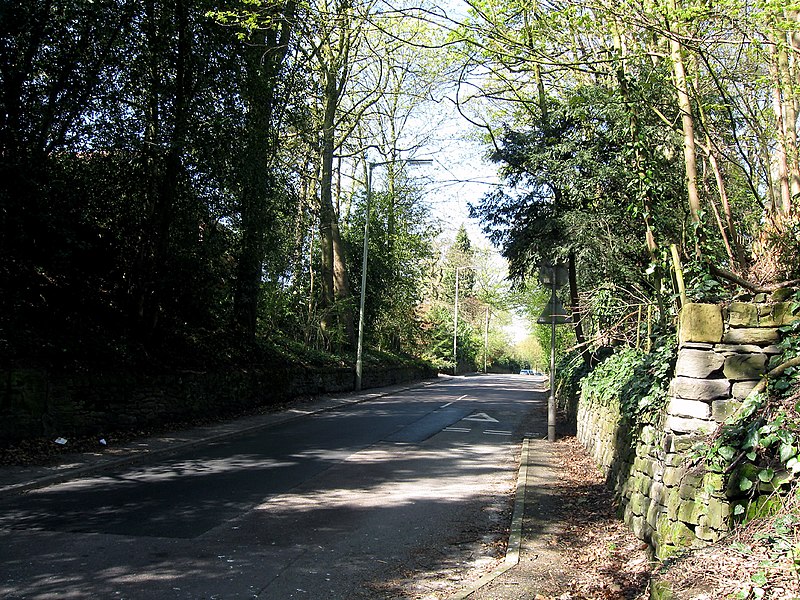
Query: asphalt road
(328,506)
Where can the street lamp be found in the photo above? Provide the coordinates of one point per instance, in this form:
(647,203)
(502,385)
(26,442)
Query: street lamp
(553,314)
(455,320)
(370,167)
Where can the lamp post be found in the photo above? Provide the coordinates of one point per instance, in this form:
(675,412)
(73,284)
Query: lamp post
(553,314)
(371,167)
(455,321)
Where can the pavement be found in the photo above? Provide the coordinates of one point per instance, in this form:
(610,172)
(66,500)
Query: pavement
(526,565)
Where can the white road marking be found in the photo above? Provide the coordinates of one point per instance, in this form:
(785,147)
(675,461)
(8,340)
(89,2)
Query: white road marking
(445,405)
(481,417)
(493,432)
(459,429)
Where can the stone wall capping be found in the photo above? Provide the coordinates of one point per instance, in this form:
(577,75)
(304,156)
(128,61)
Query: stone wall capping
(742,314)
(700,323)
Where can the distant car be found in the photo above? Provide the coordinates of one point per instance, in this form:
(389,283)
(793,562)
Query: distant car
(526,372)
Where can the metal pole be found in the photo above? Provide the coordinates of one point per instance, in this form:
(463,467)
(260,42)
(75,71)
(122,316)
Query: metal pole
(551,401)
(455,329)
(360,348)
(486,340)
(359,351)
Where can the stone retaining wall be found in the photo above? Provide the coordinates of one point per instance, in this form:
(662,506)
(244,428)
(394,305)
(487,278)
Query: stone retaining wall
(722,354)
(36,403)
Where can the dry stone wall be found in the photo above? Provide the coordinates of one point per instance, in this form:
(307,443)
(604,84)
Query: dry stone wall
(723,352)
(37,402)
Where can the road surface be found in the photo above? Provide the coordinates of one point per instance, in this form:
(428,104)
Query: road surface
(333,505)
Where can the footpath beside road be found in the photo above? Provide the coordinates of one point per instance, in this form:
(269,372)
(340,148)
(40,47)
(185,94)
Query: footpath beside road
(542,541)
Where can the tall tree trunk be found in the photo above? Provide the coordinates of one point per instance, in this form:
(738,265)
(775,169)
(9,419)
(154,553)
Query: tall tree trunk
(264,63)
(336,284)
(782,202)
(687,122)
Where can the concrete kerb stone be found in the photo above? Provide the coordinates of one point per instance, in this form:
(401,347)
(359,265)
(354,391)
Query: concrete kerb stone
(230,431)
(515,535)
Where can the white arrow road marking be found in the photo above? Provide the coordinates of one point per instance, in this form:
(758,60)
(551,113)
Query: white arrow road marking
(480,417)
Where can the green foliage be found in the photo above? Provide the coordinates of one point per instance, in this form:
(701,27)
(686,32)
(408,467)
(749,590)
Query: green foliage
(570,183)
(638,380)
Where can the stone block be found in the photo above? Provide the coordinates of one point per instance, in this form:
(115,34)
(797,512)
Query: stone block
(680,445)
(775,315)
(672,476)
(675,533)
(690,489)
(741,389)
(741,367)
(654,511)
(761,336)
(743,314)
(639,527)
(700,323)
(689,408)
(782,294)
(658,493)
(684,425)
(722,409)
(718,514)
(639,503)
(689,511)
(714,484)
(705,533)
(698,363)
(699,389)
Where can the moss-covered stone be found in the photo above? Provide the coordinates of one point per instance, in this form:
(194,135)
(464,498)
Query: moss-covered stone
(675,533)
(654,512)
(722,409)
(714,484)
(689,511)
(775,315)
(672,476)
(718,514)
(743,314)
(639,503)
